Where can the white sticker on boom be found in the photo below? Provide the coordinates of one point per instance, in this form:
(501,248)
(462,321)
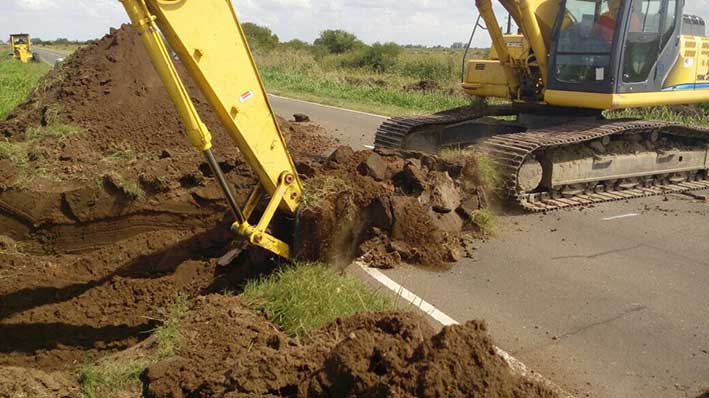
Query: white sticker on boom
(246,96)
(688,62)
(600,74)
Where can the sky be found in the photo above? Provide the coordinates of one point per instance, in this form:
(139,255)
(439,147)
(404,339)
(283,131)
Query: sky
(427,22)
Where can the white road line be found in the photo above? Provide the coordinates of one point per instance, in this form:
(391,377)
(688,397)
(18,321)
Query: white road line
(445,320)
(621,216)
(329,106)
(407,295)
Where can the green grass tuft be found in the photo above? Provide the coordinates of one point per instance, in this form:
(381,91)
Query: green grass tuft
(167,335)
(132,190)
(16,152)
(304,297)
(60,131)
(490,174)
(17,81)
(318,188)
(486,222)
(700,117)
(122,153)
(117,376)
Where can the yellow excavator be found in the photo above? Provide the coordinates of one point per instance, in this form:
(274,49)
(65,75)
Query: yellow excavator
(570,61)
(21,44)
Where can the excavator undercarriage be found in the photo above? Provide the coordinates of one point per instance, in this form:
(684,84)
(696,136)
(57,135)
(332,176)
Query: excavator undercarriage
(551,158)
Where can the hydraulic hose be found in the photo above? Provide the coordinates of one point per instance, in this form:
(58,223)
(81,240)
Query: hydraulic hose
(467,48)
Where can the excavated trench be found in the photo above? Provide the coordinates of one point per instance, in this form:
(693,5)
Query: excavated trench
(108,215)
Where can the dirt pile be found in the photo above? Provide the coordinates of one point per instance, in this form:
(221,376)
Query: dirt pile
(98,150)
(388,207)
(232,352)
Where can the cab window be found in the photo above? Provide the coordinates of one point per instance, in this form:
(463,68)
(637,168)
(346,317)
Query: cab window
(651,25)
(586,34)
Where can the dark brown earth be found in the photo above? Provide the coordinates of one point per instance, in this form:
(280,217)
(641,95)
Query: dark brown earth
(368,355)
(388,208)
(104,225)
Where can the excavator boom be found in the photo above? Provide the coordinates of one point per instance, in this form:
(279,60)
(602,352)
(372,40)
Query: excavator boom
(209,41)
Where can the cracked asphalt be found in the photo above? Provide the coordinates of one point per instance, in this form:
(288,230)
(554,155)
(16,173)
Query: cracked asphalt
(610,301)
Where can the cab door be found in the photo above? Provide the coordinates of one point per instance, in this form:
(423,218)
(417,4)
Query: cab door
(651,44)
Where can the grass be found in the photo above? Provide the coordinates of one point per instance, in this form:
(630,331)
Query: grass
(663,113)
(16,152)
(114,377)
(379,100)
(17,81)
(318,188)
(122,152)
(300,75)
(131,189)
(60,131)
(304,297)
(487,174)
(486,222)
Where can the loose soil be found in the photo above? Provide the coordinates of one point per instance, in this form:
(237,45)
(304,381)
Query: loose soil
(231,352)
(108,215)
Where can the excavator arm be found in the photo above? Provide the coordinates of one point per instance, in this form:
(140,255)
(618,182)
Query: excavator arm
(209,41)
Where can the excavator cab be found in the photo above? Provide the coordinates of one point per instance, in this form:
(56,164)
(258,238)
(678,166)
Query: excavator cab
(609,46)
(622,50)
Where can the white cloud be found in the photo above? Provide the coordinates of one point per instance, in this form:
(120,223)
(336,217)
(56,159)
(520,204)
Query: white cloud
(428,22)
(35,5)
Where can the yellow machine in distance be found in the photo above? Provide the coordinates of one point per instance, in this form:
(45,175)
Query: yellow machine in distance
(209,41)
(21,44)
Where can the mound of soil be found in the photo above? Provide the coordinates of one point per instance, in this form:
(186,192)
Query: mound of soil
(388,207)
(231,352)
(106,154)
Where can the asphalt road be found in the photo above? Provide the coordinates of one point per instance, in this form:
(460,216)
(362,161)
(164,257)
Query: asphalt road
(49,56)
(611,301)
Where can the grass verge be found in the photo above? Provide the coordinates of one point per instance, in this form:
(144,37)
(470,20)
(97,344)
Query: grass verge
(17,80)
(699,117)
(386,101)
(304,297)
(116,376)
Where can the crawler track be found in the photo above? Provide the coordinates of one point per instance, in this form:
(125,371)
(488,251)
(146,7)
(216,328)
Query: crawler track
(511,150)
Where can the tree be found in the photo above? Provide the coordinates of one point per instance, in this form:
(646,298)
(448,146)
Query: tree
(380,57)
(458,45)
(337,41)
(260,37)
(296,45)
